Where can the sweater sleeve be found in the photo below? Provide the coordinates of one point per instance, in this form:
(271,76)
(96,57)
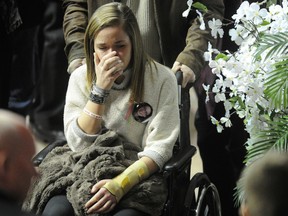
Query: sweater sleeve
(162,132)
(74,24)
(197,39)
(76,98)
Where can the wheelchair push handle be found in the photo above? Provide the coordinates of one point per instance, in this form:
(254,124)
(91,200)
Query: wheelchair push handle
(179,77)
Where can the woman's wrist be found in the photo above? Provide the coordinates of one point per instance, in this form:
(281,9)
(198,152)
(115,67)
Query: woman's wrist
(98,95)
(122,183)
(100,91)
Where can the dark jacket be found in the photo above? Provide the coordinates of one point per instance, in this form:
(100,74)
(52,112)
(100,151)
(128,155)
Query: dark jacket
(173,29)
(10,207)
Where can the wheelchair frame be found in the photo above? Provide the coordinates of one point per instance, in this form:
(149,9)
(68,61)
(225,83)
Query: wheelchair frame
(196,196)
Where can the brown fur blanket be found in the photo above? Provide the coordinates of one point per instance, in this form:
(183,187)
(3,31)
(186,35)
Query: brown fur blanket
(74,173)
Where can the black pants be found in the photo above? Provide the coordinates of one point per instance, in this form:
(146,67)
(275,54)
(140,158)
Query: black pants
(222,153)
(5,72)
(19,59)
(53,78)
(60,206)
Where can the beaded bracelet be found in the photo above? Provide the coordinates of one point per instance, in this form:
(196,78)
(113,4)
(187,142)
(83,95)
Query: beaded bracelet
(99,91)
(98,95)
(91,114)
(97,98)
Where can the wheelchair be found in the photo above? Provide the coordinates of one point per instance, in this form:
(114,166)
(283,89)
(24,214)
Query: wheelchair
(196,196)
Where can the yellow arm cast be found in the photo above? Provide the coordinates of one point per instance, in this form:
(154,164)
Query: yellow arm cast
(122,183)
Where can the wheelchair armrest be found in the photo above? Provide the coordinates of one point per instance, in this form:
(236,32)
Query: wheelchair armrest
(180,159)
(38,158)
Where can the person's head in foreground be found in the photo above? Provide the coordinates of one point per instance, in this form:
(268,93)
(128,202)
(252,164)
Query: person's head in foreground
(17,148)
(265,184)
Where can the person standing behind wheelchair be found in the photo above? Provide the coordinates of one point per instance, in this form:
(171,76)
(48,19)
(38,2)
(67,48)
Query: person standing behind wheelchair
(118,79)
(168,37)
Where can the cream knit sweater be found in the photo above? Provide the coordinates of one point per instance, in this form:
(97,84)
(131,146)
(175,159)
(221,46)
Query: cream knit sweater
(156,137)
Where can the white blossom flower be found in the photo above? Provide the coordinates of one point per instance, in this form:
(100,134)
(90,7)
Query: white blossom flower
(226,121)
(241,11)
(255,14)
(227,105)
(241,76)
(206,88)
(217,123)
(239,34)
(241,113)
(186,12)
(201,19)
(220,96)
(216,27)
(208,54)
(217,66)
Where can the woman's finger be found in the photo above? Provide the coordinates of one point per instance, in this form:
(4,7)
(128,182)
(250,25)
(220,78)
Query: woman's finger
(102,201)
(99,185)
(107,207)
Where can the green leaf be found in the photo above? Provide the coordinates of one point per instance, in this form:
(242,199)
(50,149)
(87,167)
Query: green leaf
(241,103)
(221,56)
(200,6)
(270,2)
(262,110)
(264,23)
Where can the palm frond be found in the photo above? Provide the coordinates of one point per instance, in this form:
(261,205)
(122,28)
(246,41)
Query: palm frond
(273,138)
(276,85)
(277,44)
(239,193)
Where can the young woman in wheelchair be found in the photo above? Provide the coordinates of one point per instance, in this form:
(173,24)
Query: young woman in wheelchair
(122,91)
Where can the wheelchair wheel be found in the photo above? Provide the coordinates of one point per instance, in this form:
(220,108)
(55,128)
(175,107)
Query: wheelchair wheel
(202,198)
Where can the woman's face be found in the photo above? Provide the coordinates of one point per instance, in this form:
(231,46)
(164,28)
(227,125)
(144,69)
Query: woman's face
(113,39)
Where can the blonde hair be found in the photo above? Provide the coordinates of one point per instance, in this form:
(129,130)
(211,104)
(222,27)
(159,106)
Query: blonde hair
(117,14)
